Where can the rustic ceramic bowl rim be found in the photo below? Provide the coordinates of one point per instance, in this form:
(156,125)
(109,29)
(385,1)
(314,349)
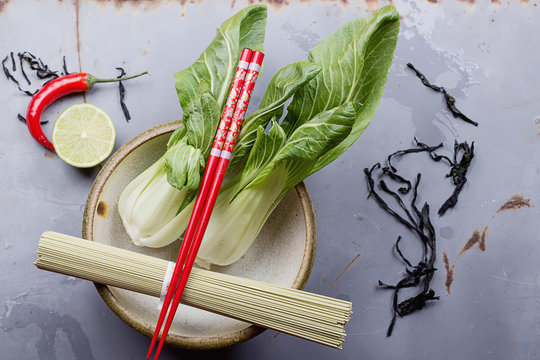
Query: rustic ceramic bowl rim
(132,320)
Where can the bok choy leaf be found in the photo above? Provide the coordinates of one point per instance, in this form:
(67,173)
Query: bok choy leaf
(155,208)
(324,119)
(275,165)
(355,60)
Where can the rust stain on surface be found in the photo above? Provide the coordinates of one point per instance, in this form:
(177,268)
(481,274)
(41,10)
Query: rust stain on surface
(323,279)
(276,4)
(345,270)
(470,4)
(78,35)
(372,5)
(482,242)
(449,273)
(515,202)
(477,238)
(102,209)
(48,154)
(144,5)
(3,4)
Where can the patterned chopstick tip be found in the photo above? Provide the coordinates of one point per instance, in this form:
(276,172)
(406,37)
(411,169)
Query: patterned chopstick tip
(243,102)
(232,99)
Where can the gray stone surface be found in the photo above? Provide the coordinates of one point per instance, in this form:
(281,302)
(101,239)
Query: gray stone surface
(486,54)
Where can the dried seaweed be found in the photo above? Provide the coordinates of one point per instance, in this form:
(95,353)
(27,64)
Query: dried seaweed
(416,220)
(449,99)
(28,92)
(23,119)
(419,223)
(421,148)
(36,64)
(22,70)
(64,66)
(458,168)
(6,71)
(13,67)
(122,92)
(458,173)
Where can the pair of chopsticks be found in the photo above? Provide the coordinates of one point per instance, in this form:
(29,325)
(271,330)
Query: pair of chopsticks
(214,173)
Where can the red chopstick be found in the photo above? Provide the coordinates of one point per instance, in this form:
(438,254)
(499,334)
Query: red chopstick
(217,180)
(208,184)
(219,141)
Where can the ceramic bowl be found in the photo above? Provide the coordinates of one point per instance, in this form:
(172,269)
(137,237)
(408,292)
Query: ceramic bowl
(282,254)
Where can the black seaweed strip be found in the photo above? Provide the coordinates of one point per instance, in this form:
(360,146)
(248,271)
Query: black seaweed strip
(37,65)
(432,153)
(418,302)
(423,272)
(22,68)
(449,99)
(405,260)
(122,92)
(451,105)
(29,93)
(412,224)
(13,67)
(64,66)
(23,119)
(399,153)
(6,71)
(398,179)
(424,80)
(422,148)
(458,169)
(458,173)
(421,222)
(380,201)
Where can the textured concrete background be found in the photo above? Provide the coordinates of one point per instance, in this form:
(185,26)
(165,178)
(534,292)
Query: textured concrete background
(485,53)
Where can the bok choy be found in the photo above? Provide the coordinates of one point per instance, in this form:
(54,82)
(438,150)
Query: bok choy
(154,207)
(334,97)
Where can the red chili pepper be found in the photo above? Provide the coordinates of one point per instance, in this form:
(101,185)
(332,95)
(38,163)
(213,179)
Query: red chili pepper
(54,90)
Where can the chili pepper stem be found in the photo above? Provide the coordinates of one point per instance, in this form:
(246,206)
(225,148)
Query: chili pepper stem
(91,80)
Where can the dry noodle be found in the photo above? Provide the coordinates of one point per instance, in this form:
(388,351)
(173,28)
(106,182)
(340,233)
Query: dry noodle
(310,316)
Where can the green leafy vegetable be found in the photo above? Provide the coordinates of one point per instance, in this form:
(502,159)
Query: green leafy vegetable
(213,72)
(325,118)
(155,207)
(355,60)
(275,165)
(282,87)
(334,96)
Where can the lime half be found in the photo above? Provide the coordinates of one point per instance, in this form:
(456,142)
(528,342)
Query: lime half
(83,135)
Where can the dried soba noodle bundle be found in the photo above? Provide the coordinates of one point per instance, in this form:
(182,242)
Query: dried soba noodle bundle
(313,317)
